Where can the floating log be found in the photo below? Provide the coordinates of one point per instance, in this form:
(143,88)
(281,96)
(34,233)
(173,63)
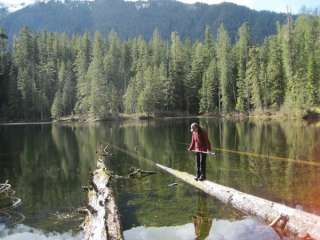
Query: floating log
(301,224)
(102,221)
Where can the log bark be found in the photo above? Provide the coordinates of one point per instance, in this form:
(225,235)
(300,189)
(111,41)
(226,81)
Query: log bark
(301,224)
(102,221)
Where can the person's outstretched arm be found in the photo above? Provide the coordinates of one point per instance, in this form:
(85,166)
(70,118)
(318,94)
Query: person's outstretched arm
(191,147)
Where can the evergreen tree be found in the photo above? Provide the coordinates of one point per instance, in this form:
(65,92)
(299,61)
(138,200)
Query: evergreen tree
(98,98)
(131,97)
(47,73)
(224,68)
(275,73)
(209,93)
(288,56)
(57,106)
(252,78)
(24,58)
(242,48)
(177,72)
(194,78)
(68,90)
(5,65)
(81,66)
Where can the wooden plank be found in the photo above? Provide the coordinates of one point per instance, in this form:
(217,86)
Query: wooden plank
(300,223)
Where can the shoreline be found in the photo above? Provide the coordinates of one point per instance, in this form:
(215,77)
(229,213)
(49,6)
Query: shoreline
(235,116)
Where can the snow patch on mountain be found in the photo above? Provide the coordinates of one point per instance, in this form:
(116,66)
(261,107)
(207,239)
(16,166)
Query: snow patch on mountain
(15,5)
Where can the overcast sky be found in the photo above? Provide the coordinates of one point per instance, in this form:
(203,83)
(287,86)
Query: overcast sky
(274,5)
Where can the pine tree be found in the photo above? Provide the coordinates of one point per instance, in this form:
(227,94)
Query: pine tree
(288,56)
(177,72)
(275,73)
(157,49)
(24,58)
(68,90)
(209,93)
(194,78)
(252,78)
(242,47)
(14,97)
(224,68)
(146,100)
(96,75)
(311,80)
(167,88)
(131,97)
(57,106)
(81,66)
(5,65)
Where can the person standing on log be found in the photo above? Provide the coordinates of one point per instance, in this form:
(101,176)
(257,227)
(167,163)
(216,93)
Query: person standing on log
(200,144)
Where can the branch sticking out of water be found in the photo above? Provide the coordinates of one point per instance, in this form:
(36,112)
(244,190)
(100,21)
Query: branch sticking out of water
(9,202)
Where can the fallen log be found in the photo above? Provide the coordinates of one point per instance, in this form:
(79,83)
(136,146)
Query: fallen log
(102,221)
(301,224)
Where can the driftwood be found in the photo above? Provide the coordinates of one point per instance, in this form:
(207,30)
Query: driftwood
(139,173)
(299,223)
(8,204)
(102,221)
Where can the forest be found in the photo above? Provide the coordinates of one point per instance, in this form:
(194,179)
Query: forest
(46,75)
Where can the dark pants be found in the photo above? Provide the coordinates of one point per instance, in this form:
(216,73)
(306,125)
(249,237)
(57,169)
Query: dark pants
(201,164)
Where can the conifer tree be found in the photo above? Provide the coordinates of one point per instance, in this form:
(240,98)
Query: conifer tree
(242,48)
(209,93)
(98,98)
(224,68)
(194,78)
(275,73)
(81,66)
(252,78)
(177,72)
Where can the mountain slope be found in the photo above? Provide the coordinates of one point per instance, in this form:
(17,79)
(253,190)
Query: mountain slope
(130,19)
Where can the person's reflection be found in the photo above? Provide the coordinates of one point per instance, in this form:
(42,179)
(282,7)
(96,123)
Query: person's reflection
(201,220)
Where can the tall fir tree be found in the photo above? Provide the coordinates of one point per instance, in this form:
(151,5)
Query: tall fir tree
(242,49)
(177,72)
(98,99)
(224,68)
(252,78)
(81,66)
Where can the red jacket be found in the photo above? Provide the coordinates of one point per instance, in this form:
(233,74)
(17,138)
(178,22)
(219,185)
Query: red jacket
(200,142)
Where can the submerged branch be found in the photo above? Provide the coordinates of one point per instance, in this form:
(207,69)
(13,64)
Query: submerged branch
(9,202)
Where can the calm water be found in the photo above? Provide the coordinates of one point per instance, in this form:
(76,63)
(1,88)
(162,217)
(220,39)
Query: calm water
(48,164)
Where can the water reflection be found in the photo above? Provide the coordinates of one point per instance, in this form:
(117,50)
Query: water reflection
(201,220)
(48,164)
(247,229)
(23,232)
(289,182)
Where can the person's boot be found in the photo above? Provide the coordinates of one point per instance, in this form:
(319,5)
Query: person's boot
(201,178)
(196,178)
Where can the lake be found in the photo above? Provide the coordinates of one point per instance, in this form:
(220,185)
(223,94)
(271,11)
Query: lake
(48,163)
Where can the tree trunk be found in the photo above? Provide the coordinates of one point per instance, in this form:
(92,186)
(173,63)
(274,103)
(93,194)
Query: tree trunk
(300,223)
(102,221)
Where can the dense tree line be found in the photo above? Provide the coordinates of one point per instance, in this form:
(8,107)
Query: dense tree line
(52,75)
